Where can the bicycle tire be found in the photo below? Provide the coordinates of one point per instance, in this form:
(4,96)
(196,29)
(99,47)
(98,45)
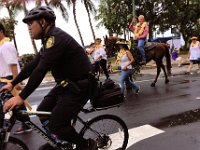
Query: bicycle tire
(15,144)
(104,125)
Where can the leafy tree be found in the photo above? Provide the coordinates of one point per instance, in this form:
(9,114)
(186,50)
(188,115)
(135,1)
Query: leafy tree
(9,26)
(184,15)
(13,8)
(161,15)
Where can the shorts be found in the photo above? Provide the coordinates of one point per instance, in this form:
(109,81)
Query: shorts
(195,61)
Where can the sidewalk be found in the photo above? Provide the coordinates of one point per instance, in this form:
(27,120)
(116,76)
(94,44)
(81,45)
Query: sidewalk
(148,69)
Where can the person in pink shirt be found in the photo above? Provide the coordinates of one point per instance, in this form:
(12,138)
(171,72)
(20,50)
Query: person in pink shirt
(141,31)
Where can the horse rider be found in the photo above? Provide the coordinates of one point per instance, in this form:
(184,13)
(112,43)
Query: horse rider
(141,30)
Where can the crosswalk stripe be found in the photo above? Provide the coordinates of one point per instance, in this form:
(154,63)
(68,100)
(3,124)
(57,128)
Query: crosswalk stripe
(142,132)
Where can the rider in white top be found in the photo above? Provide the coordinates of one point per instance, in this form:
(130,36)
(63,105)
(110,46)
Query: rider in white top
(100,58)
(194,53)
(8,56)
(100,52)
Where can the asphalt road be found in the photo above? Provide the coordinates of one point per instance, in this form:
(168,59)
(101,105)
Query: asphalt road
(164,117)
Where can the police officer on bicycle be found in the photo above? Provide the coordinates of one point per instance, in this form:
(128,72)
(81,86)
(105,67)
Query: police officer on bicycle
(67,61)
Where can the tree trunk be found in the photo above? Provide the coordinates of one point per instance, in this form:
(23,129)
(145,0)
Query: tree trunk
(32,41)
(79,32)
(150,31)
(91,26)
(13,32)
(15,43)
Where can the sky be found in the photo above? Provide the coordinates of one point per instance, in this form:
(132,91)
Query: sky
(23,39)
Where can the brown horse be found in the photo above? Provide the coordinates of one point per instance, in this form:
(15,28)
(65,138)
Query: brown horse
(157,53)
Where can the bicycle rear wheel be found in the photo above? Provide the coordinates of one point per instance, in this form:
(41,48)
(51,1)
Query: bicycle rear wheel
(14,144)
(109,131)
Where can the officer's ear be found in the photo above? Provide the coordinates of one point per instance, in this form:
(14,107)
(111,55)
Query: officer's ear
(43,22)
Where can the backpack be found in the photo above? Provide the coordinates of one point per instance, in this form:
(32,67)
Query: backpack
(105,95)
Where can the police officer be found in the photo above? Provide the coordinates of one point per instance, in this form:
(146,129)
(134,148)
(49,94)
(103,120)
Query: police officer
(67,61)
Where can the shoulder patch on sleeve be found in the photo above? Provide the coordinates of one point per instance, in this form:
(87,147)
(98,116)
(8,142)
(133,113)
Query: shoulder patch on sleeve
(50,42)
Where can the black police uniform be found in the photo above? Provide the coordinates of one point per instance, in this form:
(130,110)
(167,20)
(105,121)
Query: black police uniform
(65,58)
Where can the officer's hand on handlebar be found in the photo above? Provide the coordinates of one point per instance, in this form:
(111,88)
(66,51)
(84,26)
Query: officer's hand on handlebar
(12,103)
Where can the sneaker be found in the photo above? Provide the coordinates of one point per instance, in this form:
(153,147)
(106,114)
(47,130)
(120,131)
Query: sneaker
(46,146)
(137,91)
(23,129)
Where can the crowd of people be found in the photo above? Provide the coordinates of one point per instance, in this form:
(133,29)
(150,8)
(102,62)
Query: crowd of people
(67,60)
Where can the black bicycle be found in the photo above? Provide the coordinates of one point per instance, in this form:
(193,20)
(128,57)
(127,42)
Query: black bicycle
(109,131)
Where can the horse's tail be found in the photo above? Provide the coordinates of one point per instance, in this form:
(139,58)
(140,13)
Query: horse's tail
(168,59)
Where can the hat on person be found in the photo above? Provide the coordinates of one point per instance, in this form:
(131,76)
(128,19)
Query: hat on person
(98,39)
(122,42)
(193,38)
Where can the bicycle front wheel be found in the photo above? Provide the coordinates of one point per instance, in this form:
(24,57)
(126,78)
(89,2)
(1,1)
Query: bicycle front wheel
(14,144)
(109,131)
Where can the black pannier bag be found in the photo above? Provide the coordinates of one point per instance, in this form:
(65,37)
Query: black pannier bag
(103,96)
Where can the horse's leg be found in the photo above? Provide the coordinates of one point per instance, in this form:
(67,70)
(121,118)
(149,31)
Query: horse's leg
(165,73)
(158,64)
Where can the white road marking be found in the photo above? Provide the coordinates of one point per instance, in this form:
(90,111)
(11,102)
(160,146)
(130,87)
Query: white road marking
(143,132)
(44,88)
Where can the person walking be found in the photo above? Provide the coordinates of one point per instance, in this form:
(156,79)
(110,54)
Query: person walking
(176,58)
(194,54)
(68,62)
(9,69)
(125,59)
(141,31)
(100,58)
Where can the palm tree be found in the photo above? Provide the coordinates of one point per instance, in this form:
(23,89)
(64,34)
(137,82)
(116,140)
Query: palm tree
(73,3)
(58,4)
(13,8)
(89,6)
(54,3)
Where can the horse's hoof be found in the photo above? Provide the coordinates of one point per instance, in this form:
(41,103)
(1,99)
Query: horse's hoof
(153,84)
(166,81)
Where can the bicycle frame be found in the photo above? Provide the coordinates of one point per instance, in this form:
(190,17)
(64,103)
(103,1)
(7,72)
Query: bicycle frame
(37,129)
(6,126)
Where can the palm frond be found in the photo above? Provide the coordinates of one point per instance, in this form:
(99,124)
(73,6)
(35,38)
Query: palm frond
(58,4)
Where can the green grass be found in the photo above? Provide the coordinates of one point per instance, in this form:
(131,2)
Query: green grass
(111,59)
(115,67)
(183,52)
